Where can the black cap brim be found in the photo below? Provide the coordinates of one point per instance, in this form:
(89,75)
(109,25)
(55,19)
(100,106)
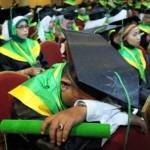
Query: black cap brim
(126,21)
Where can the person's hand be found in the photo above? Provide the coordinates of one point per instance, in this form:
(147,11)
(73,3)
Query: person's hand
(33,71)
(62,122)
(136,120)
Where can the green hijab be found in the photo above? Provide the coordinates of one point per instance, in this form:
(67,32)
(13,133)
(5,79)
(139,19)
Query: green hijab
(42,93)
(26,50)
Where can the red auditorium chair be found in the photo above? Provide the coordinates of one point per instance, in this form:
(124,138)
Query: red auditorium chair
(8,81)
(136,141)
(33,33)
(51,52)
(80,24)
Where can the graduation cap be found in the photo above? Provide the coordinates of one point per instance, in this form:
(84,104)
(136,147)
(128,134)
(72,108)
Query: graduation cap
(5,15)
(105,31)
(16,11)
(21,11)
(115,11)
(69,13)
(46,11)
(126,21)
(97,13)
(100,69)
(147,11)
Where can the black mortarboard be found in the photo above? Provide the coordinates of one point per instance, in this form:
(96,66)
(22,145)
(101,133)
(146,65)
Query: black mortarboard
(21,11)
(100,69)
(126,21)
(16,11)
(46,11)
(97,13)
(147,11)
(5,15)
(69,13)
(103,30)
(115,11)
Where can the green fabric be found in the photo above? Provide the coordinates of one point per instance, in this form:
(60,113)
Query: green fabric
(144,27)
(34,24)
(70,2)
(103,2)
(130,3)
(74,27)
(146,4)
(93,130)
(134,55)
(84,18)
(111,4)
(137,5)
(50,36)
(47,86)
(119,2)
(23,49)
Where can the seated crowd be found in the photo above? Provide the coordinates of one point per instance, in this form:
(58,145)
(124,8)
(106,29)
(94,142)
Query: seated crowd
(77,90)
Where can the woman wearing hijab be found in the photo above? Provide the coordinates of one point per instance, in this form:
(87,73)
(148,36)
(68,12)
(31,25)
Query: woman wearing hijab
(20,53)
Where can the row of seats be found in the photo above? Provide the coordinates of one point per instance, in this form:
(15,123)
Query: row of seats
(51,52)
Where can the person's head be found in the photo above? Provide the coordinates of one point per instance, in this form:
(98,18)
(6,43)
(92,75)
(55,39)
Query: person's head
(82,11)
(20,27)
(70,92)
(131,35)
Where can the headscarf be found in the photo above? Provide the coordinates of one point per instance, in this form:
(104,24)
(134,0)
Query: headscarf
(42,93)
(44,27)
(25,50)
(15,22)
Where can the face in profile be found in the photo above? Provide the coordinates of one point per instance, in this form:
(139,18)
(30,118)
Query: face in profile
(22,30)
(70,92)
(133,37)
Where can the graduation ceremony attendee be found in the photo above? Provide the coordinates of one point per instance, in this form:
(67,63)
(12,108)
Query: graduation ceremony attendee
(47,28)
(145,27)
(20,53)
(135,55)
(68,21)
(83,15)
(54,92)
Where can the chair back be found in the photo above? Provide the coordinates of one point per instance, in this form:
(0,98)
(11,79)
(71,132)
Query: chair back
(51,52)
(8,81)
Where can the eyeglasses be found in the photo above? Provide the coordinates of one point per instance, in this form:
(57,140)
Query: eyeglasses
(23,27)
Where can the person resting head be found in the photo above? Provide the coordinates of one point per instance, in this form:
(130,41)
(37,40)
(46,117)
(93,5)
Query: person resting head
(21,53)
(53,93)
(76,91)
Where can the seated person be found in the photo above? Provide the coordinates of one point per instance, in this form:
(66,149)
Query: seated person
(48,31)
(135,55)
(145,27)
(54,92)
(63,93)
(21,53)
